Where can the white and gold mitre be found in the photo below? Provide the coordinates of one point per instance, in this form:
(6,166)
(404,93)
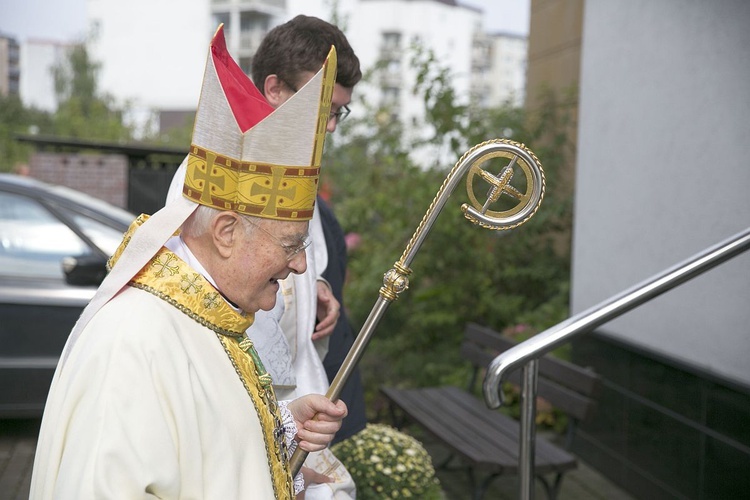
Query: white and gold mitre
(247,157)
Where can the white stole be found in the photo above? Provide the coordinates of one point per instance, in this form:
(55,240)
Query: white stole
(283,336)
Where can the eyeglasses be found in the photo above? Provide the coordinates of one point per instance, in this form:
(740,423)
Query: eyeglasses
(290,250)
(339,115)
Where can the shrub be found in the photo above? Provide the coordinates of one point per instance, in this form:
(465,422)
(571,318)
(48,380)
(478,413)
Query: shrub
(386,463)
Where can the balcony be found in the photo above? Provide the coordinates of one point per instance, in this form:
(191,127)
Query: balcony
(391,79)
(276,4)
(390,51)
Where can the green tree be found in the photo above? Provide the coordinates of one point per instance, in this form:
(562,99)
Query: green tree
(83,110)
(17,119)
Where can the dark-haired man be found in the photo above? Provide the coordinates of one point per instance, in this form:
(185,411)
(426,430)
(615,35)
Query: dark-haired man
(285,61)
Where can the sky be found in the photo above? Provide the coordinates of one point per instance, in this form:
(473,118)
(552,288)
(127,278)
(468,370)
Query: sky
(65,20)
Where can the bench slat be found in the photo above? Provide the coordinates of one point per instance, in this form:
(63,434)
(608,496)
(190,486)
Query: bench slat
(482,437)
(546,453)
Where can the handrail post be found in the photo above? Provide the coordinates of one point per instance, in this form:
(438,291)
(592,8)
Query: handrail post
(527,443)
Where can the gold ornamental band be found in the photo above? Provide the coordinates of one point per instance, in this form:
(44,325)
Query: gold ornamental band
(258,189)
(326,98)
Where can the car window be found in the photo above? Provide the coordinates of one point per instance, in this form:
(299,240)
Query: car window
(103,236)
(82,199)
(32,241)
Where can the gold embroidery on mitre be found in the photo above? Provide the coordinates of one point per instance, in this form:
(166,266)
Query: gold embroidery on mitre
(263,190)
(278,192)
(326,97)
(211,178)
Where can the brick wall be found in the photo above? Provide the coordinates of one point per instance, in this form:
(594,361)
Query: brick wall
(99,175)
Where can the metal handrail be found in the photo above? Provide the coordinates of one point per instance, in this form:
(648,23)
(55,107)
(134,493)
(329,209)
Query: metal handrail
(527,353)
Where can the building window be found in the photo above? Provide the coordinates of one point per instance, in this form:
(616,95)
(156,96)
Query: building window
(222,18)
(391,40)
(252,21)
(391,96)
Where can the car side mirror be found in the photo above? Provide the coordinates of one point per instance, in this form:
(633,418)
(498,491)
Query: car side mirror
(84,270)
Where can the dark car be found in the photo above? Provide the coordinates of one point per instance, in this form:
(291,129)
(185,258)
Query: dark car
(54,244)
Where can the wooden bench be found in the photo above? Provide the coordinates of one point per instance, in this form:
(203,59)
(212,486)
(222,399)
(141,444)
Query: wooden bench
(486,440)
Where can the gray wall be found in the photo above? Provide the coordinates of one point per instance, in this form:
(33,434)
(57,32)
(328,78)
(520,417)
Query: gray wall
(664,172)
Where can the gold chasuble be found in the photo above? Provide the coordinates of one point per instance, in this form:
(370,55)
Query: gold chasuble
(170,279)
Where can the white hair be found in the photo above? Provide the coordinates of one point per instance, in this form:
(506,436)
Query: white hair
(200,221)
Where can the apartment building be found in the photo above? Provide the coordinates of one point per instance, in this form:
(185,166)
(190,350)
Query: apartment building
(384,31)
(161,51)
(151,53)
(10,71)
(498,69)
(38,58)
(245,24)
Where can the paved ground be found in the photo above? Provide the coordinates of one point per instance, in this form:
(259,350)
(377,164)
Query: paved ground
(17,447)
(18,444)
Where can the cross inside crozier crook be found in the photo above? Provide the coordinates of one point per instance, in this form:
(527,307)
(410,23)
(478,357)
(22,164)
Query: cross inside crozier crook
(500,184)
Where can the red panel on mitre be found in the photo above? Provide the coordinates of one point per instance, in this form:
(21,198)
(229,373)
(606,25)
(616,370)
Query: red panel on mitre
(247,103)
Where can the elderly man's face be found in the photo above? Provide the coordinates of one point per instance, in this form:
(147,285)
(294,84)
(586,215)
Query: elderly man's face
(260,258)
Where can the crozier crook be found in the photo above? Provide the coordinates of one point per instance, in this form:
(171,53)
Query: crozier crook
(518,201)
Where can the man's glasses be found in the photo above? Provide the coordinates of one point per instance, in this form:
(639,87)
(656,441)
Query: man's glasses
(339,115)
(290,250)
